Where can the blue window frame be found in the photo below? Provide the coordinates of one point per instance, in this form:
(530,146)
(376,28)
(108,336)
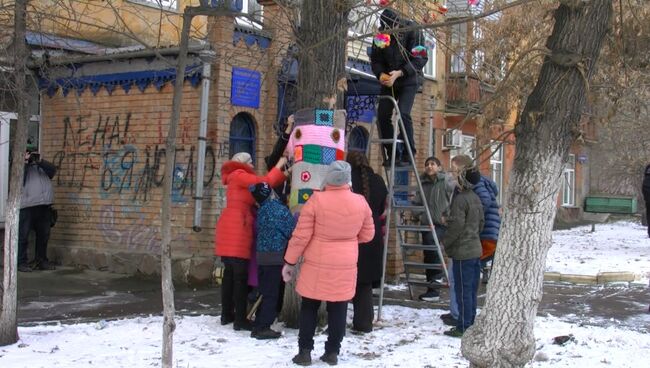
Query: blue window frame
(242,135)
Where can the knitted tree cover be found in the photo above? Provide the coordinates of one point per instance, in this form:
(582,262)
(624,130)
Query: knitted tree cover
(317,139)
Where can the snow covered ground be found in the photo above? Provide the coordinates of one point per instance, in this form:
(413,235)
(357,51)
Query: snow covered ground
(407,338)
(613,247)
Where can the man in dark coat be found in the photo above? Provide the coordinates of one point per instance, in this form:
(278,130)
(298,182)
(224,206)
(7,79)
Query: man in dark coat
(396,59)
(646,195)
(35,210)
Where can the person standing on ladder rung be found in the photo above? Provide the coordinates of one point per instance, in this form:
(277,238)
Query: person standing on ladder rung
(397,59)
(437,188)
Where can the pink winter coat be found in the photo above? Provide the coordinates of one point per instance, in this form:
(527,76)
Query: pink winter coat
(330,227)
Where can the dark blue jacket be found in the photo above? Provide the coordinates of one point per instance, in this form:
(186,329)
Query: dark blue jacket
(487,191)
(274,223)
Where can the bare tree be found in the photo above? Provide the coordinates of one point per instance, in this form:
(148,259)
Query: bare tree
(8,326)
(503,333)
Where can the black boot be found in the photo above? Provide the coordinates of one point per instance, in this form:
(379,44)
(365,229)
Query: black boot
(330,358)
(266,334)
(245,325)
(303,357)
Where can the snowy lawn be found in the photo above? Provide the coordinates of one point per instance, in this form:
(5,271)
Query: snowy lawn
(614,247)
(407,338)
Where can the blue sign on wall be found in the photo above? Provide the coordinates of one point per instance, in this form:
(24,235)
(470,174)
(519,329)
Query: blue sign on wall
(245,89)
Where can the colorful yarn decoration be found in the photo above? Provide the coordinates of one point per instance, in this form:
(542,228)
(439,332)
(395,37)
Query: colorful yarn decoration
(473,2)
(336,135)
(442,9)
(419,51)
(305,176)
(381,40)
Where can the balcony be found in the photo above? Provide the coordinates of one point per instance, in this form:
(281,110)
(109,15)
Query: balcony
(466,92)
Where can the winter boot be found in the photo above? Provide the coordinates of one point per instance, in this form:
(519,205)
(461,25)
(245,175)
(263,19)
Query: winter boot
(330,358)
(266,334)
(303,358)
(245,325)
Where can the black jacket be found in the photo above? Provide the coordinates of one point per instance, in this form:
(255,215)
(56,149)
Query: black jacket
(398,55)
(369,265)
(646,184)
(283,189)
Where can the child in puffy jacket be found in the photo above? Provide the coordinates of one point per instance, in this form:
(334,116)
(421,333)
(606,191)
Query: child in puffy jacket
(274,224)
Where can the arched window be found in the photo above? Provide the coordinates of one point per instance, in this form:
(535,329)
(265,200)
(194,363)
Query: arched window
(358,140)
(242,134)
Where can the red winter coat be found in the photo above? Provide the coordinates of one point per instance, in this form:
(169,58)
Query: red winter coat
(330,227)
(234,232)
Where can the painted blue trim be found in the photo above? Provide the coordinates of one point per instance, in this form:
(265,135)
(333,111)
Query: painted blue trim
(250,39)
(124,80)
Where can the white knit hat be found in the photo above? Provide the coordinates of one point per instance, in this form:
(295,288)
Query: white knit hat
(243,157)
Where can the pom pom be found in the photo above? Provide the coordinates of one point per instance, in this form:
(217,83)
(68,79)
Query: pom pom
(382,40)
(419,51)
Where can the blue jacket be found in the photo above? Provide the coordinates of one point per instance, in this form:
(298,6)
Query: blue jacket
(487,191)
(275,223)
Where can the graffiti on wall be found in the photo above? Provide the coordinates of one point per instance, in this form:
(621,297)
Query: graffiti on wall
(138,234)
(106,147)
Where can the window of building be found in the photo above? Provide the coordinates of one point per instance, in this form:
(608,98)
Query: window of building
(253,9)
(242,135)
(569,182)
(458,45)
(358,140)
(478,57)
(496,163)
(364,20)
(430,67)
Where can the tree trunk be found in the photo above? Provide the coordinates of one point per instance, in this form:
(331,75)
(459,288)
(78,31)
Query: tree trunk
(169,325)
(503,333)
(321,59)
(321,74)
(8,326)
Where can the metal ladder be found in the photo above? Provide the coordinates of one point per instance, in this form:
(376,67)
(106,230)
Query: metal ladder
(393,204)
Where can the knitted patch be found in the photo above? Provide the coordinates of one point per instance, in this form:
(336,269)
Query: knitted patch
(329,155)
(420,51)
(304,195)
(312,153)
(340,154)
(297,154)
(324,117)
(336,135)
(305,176)
(297,133)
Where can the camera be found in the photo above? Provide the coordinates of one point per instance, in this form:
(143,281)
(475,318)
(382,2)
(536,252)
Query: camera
(34,157)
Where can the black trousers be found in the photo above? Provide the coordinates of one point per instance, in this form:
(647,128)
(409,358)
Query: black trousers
(37,218)
(405,97)
(336,315)
(363,311)
(269,287)
(647,215)
(431,256)
(234,289)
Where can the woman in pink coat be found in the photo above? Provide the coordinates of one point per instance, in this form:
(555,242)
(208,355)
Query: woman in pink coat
(330,227)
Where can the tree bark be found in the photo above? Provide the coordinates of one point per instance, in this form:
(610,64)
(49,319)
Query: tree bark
(8,326)
(503,333)
(169,325)
(321,59)
(321,74)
